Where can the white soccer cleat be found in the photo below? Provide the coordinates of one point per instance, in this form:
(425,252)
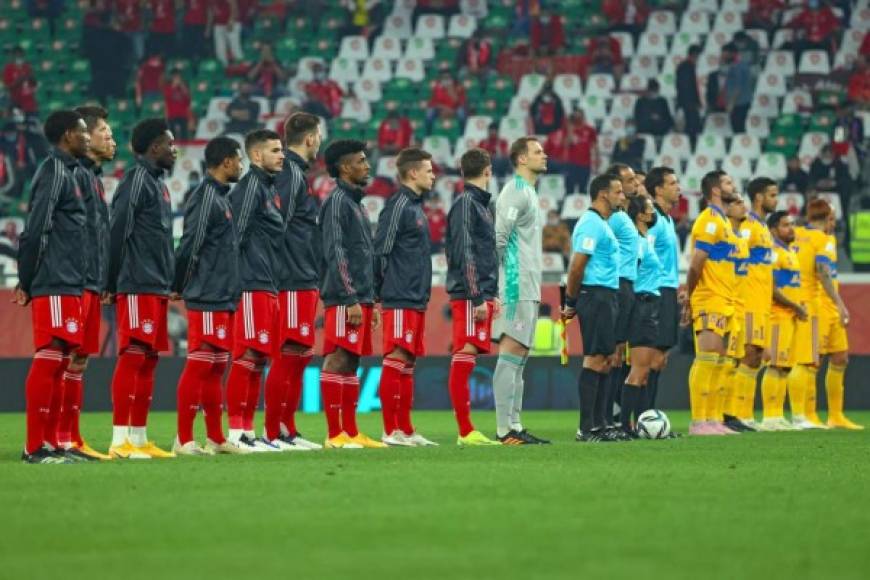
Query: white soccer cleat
(227,448)
(785,425)
(770,425)
(303,443)
(285,445)
(189,449)
(263,445)
(801,423)
(418,440)
(396,439)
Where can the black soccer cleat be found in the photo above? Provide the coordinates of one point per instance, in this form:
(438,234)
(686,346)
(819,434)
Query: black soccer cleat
(513,438)
(587,437)
(44,456)
(531,439)
(74,455)
(736,424)
(612,436)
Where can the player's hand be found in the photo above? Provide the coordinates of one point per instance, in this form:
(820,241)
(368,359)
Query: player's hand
(376,318)
(801,312)
(686,315)
(174,296)
(618,355)
(844,315)
(106,297)
(480,312)
(20,297)
(354,315)
(568,313)
(682,297)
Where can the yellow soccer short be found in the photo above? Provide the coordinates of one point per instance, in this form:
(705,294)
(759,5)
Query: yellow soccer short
(806,339)
(832,334)
(712,321)
(737,339)
(757,328)
(782,341)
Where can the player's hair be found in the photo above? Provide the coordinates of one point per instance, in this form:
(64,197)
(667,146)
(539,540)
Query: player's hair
(146,132)
(337,150)
(521,147)
(410,158)
(58,123)
(617,169)
(258,137)
(636,206)
(298,126)
(711,181)
(601,183)
(656,178)
(219,150)
(776,217)
(758,186)
(92,114)
(474,162)
(818,209)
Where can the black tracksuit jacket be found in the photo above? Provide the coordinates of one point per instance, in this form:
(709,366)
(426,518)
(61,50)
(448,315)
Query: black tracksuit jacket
(472,262)
(260,227)
(97,212)
(300,255)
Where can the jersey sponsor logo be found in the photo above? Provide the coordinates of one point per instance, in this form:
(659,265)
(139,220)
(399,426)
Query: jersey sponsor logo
(512,213)
(72,325)
(148,326)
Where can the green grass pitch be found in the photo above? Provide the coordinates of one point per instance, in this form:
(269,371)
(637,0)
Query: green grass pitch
(772,505)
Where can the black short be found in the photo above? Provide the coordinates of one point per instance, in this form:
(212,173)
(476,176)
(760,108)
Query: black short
(596,310)
(624,305)
(644,329)
(669,319)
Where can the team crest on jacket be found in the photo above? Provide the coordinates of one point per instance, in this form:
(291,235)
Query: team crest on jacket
(263,337)
(78,191)
(229,214)
(221,332)
(276,200)
(72,325)
(481,335)
(305,330)
(148,326)
(409,337)
(352,337)
(165,194)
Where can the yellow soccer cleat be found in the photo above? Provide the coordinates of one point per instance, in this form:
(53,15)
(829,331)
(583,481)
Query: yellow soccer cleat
(126,451)
(152,450)
(815,420)
(365,441)
(475,439)
(91,452)
(342,441)
(841,422)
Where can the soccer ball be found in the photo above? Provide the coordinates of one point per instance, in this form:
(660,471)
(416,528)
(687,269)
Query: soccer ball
(653,424)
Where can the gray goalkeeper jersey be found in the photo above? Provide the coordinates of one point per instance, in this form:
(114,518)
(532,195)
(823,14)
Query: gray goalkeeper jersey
(518,231)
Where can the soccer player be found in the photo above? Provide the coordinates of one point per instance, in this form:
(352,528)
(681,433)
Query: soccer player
(518,229)
(255,204)
(347,288)
(710,302)
(472,283)
(664,187)
(403,285)
(643,330)
(141,271)
(297,273)
(52,272)
(785,312)
(207,277)
(758,284)
(593,284)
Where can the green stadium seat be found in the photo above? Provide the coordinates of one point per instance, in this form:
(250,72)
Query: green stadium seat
(791,124)
(823,122)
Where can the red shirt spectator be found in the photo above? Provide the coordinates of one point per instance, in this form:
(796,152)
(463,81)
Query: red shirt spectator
(494,145)
(763,12)
(447,94)
(573,143)
(327,92)
(19,82)
(859,84)
(163,16)
(437,221)
(196,12)
(394,134)
(605,49)
(622,12)
(477,55)
(865,45)
(129,14)
(818,24)
(548,31)
(149,77)
(176,97)
(224,11)
(247,10)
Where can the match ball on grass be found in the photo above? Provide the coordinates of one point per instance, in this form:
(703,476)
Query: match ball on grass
(653,424)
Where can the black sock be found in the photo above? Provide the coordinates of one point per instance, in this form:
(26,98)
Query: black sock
(652,389)
(588,389)
(601,401)
(614,380)
(631,397)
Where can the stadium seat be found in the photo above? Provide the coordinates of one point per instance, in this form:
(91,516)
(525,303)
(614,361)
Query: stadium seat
(477,127)
(344,70)
(814,62)
(693,199)
(811,145)
(430,26)
(387,167)
(519,106)
(530,85)
(476,8)
(699,165)
(791,202)
(574,206)
(546,203)
(711,145)
(368,89)
(652,44)
(833,198)
(553,263)
(861,18)
(594,107)
(445,187)
(695,22)
(760,36)
(305,68)
(439,147)
(764,105)
(740,6)
(387,47)
(512,128)
(772,165)
(623,105)
(780,62)
(676,146)
(568,86)
(377,69)
(372,205)
(707,63)
(661,21)
(626,43)
(177,222)
(354,47)
(644,66)
(217,108)
(728,21)
(707,5)
(718,124)
(398,25)
(650,149)
(681,42)
(462,145)
(209,128)
(600,85)
(852,40)
(668,160)
(716,41)
(747,145)
(410,69)
(356,109)
(285,105)
(552,185)
(461,26)
(439,264)
(420,48)
(781,37)
(797,101)
(737,166)
(613,126)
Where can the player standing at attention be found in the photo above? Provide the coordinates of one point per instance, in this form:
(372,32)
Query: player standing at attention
(710,305)
(207,277)
(141,271)
(784,314)
(347,288)
(472,283)
(662,184)
(629,242)
(52,271)
(591,292)
(518,241)
(297,274)
(259,227)
(403,285)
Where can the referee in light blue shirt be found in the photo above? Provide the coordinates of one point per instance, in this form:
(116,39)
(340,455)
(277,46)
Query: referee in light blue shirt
(593,282)
(661,183)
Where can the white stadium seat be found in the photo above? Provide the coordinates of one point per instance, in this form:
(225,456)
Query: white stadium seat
(594,107)
(387,47)
(477,127)
(445,187)
(676,146)
(695,22)
(285,105)
(430,26)
(368,89)
(814,62)
(681,42)
(354,48)
(797,101)
(780,62)
(790,201)
(811,145)
(357,109)
(546,203)
(377,69)
(626,43)
(613,126)
(344,70)
(519,106)
(718,124)
(552,185)
(462,145)
(668,160)
(662,22)
(512,128)
(372,205)
(781,37)
(833,198)
(712,146)
(217,108)
(746,145)
(623,105)
(476,8)
(737,166)
(398,25)
(764,105)
(736,5)
(410,69)
(772,165)
(699,165)
(728,21)
(305,67)
(652,44)
(553,263)
(439,147)
(600,85)
(575,205)
(461,26)
(568,86)
(650,150)
(209,128)
(644,66)
(387,166)
(708,5)
(420,48)
(760,36)
(530,85)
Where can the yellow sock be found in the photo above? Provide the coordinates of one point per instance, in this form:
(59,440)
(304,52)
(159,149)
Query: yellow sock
(797,391)
(810,386)
(728,380)
(770,386)
(746,378)
(700,375)
(836,388)
(714,400)
(781,389)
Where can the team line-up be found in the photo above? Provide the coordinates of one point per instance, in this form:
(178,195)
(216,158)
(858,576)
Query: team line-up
(258,252)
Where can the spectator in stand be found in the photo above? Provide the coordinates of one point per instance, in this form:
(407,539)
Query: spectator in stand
(476,58)
(747,47)
(796,179)
(626,16)
(556,236)
(25,148)
(149,78)
(859,82)
(629,148)
(445,8)
(548,33)
(196,16)
(437,217)
(243,111)
(574,149)
(830,174)
(161,38)
(652,114)
(9,239)
(547,111)
(128,14)
(447,101)
(20,83)
(716,99)
(324,94)
(605,55)
(497,149)
(176,97)
(688,95)
(394,133)
(226,27)
(764,14)
(268,75)
(103,36)
(363,16)
(848,134)
(815,28)
(739,89)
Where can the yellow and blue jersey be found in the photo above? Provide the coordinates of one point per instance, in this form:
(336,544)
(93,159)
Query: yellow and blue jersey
(759,277)
(810,245)
(786,277)
(712,233)
(740,258)
(829,258)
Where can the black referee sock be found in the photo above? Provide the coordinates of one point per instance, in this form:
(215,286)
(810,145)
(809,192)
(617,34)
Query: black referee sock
(631,401)
(652,389)
(601,401)
(587,387)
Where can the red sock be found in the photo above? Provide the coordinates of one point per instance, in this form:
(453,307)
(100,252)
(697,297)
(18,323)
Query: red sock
(197,371)
(144,391)
(124,384)
(253,399)
(70,408)
(461,367)
(349,400)
(298,362)
(212,398)
(276,393)
(406,399)
(38,392)
(389,390)
(237,392)
(52,423)
(330,391)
